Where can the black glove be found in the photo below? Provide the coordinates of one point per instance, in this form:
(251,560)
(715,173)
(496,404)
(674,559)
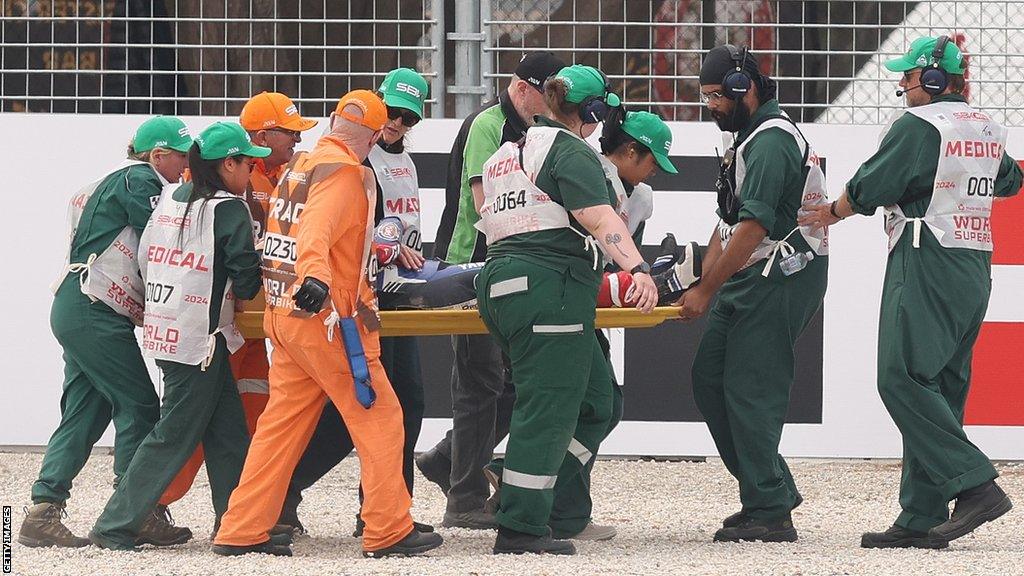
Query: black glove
(311,295)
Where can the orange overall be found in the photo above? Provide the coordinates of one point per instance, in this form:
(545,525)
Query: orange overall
(249,363)
(318,226)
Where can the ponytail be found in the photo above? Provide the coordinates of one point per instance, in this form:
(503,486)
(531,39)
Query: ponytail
(205,179)
(614,138)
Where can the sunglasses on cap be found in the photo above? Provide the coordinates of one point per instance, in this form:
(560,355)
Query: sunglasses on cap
(409,118)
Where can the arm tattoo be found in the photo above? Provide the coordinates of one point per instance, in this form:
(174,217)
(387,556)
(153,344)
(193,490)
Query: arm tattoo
(613,240)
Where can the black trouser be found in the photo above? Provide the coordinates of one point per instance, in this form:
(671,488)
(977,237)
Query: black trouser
(331,442)
(482,400)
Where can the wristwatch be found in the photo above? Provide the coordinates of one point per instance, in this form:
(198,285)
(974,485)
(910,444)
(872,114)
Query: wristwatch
(641,267)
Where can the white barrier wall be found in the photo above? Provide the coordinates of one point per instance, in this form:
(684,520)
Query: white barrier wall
(57,154)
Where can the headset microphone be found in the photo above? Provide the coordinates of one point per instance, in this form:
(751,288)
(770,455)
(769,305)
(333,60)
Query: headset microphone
(901,92)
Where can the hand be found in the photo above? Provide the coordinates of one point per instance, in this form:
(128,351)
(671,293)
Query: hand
(694,303)
(643,292)
(409,258)
(816,216)
(311,295)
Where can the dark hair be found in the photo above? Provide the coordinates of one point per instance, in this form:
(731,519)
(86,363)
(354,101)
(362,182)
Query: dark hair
(613,137)
(206,181)
(555,91)
(957,83)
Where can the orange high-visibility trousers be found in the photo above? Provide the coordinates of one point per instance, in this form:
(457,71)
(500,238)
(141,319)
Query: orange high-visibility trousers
(249,365)
(305,369)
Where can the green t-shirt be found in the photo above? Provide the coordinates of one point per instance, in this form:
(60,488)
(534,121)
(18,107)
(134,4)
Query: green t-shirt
(234,254)
(482,142)
(572,176)
(126,197)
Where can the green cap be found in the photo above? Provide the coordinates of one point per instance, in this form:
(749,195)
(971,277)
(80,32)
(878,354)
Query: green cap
(583,81)
(162,132)
(651,131)
(223,139)
(920,56)
(405,88)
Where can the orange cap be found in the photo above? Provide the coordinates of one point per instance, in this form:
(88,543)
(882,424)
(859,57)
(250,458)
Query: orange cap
(268,110)
(375,113)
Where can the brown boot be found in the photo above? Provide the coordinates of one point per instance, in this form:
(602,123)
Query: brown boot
(159,529)
(43,527)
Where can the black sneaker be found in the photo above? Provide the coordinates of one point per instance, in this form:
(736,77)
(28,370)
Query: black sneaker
(900,537)
(512,542)
(973,508)
(415,543)
(740,517)
(437,468)
(360,526)
(755,529)
(267,547)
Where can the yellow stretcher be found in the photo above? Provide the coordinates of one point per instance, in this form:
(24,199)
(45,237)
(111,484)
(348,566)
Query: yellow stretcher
(441,322)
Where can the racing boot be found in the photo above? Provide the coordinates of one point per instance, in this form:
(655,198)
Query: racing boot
(676,269)
(43,527)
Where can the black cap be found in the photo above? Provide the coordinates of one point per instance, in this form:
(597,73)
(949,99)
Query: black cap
(719,61)
(536,67)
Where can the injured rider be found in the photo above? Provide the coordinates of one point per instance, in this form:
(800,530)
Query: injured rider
(443,286)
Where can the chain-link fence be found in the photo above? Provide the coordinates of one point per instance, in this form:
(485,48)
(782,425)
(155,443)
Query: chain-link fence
(825,55)
(208,57)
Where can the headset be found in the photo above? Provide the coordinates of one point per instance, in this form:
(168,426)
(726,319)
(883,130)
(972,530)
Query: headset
(934,79)
(736,82)
(594,109)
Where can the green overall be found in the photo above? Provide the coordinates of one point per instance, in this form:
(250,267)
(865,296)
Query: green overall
(198,405)
(563,384)
(933,303)
(744,367)
(105,377)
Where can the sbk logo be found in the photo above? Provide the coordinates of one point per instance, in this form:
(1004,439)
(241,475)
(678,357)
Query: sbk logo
(408,89)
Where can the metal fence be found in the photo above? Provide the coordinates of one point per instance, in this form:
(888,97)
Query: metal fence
(208,57)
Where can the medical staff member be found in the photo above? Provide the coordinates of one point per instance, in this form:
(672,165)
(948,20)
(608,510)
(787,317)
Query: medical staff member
(539,206)
(198,258)
(936,172)
(398,199)
(273,121)
(323,324)
(743,370)
(98,302)
(482,393)
(634,145)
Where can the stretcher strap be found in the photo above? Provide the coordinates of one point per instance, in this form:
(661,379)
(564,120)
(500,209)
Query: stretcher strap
(365,394)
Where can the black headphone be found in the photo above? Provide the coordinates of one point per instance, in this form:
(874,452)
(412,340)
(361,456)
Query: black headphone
(934,79)
(594,109)
(736,82)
